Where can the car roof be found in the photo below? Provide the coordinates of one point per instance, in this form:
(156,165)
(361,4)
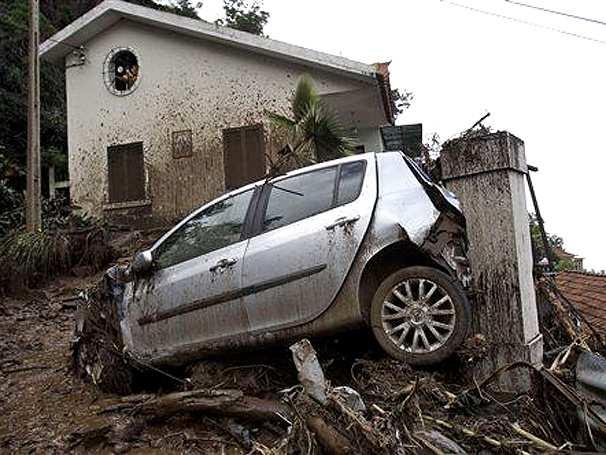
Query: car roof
(362,156)
(365,156)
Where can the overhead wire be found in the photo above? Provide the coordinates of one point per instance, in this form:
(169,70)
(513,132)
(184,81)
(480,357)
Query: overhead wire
(559,13)
(522,21)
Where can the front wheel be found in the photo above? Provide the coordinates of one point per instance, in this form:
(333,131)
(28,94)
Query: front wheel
(420,315)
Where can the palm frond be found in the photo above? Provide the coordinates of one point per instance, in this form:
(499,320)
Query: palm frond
(280,120)
(314,128)
(329,139)
(305,96)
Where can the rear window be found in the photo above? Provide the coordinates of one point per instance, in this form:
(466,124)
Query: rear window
(350,182)
(305,195)
(299,197)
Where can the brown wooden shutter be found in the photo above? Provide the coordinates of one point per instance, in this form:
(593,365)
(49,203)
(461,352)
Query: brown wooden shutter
(126,175)
(233,157)
(254,146)
(243,155)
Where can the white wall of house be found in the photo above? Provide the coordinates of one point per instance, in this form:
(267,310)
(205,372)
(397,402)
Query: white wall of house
(371,139)
(185,84)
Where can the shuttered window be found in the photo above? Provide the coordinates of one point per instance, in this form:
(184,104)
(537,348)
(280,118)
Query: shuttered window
(243,155)
(126,176)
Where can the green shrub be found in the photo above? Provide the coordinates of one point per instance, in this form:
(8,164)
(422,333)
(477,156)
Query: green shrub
(25,256)
(30,258)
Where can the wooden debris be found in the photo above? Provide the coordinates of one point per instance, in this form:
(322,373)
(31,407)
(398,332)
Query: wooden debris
(333,442)
(227,402)
(97,343)
(538,442)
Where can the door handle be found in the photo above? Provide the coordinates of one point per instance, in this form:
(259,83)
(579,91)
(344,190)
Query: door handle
(223,264)
(342,221)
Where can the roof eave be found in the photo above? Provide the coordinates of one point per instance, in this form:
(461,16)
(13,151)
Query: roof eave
(111,11)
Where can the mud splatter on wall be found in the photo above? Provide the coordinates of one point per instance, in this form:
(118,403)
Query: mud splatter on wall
(185,84)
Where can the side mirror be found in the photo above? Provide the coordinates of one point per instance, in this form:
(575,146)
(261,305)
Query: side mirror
(142,263)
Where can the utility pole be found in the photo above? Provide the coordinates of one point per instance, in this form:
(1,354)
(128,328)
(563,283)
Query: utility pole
(33,217)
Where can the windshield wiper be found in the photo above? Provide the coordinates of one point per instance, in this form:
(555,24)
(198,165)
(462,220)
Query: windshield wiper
(288,191)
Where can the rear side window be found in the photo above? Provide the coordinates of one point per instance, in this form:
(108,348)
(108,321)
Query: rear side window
(216,227)
(350,182)
(299,197)
(309,194)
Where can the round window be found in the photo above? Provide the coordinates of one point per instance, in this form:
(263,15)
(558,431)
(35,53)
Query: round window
(121,71)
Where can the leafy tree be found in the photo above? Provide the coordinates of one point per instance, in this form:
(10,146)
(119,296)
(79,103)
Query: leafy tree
(13,94)
(187,8)
(244,16)
(538,249)
(313,131)
(400,100)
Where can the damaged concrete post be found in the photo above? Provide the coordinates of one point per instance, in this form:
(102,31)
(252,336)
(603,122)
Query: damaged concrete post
(309,370)
(487,174)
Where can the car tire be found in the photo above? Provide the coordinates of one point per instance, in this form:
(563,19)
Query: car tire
(399,313)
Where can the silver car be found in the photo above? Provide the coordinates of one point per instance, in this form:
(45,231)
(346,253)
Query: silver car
(366,240)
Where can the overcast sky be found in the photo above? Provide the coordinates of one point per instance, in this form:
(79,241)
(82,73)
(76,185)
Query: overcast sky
(543,86)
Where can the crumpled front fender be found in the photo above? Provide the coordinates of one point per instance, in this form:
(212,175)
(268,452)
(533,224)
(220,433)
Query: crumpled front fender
(446,243)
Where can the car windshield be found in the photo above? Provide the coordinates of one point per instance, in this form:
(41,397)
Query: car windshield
(215,227)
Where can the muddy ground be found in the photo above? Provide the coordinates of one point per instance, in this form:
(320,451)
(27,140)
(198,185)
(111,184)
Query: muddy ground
(44,408)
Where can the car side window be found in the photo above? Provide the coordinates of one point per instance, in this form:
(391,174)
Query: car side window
(351,176)
(216,227)
(299,197)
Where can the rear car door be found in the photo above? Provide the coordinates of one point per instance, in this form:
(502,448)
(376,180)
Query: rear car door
(192,295)
(309,227)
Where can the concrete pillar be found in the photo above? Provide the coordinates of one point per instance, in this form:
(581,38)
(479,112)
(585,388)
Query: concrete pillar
(487,173)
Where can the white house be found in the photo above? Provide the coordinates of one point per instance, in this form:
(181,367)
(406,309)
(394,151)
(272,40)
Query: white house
(166,112)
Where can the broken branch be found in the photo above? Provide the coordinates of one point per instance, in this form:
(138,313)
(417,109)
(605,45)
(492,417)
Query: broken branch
(330,439)
(540,443)
(228,402)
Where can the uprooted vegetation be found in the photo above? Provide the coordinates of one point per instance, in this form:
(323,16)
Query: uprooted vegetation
(353,400)
(67,241)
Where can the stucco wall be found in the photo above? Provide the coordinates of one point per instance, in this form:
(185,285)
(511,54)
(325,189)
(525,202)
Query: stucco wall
(185,84)
(371,138)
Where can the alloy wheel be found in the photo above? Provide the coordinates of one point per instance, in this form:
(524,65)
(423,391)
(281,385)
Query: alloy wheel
(418,315)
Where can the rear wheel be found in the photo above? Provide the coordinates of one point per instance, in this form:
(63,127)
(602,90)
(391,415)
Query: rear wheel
(420,315)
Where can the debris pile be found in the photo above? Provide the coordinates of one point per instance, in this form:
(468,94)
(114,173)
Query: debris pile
(349,398)
(97,343)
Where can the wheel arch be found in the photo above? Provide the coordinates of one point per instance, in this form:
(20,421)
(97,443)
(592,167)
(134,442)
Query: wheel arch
(392,257)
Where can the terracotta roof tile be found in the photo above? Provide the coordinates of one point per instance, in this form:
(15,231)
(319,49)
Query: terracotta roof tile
(587,292)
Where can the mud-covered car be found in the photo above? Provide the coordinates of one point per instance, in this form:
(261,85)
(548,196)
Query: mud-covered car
(366,240)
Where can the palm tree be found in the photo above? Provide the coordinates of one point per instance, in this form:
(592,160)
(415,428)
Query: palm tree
(314,133)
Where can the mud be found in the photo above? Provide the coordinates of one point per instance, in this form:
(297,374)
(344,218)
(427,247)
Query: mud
(44,408)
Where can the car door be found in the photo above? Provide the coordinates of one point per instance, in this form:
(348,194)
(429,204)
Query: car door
(192,295)
(309,229)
